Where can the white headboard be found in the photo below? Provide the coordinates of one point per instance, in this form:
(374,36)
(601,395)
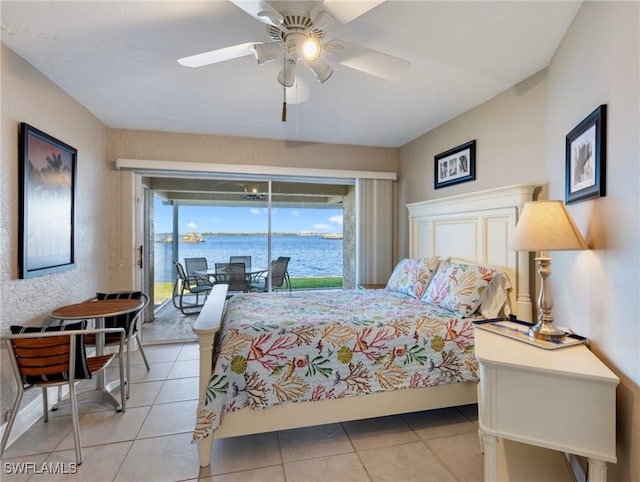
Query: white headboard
(478,227)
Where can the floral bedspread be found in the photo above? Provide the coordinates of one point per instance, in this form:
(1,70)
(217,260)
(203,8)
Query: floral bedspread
(330,344)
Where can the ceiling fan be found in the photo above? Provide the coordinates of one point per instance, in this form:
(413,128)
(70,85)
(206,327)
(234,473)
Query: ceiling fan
(296,35)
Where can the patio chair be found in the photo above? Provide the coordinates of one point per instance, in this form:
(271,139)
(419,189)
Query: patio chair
(242,259)
(287,280)
(53,356)
(195,267)
(234,275)
(196,286)
(279,276)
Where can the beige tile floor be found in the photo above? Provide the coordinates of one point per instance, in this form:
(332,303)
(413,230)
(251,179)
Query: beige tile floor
(152,440)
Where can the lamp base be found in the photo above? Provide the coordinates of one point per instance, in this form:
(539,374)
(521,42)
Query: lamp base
(546,331)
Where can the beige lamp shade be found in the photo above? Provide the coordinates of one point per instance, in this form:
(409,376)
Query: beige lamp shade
(546,226)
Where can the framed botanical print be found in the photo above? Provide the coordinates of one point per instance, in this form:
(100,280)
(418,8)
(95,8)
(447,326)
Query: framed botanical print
(585,158)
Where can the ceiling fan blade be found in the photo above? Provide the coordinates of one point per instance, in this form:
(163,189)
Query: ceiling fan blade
(298,92)
(321,18)
(345,12)
(219,55)
(260,10)
(366,60)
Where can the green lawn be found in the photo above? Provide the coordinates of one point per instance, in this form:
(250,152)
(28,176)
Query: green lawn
(163,289)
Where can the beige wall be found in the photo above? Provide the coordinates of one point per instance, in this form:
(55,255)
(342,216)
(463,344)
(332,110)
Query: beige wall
(28,96)
(597,292)
(510,148)
(521,138)
(165,146)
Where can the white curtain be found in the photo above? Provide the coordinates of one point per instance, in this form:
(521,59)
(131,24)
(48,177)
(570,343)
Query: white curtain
(374,221)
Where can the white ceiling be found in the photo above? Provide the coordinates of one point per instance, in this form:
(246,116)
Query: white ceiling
(118,59)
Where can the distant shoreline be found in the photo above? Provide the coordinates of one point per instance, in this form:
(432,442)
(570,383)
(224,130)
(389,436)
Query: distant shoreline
(253,234)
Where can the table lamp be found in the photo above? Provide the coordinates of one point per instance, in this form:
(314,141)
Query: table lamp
(546,226)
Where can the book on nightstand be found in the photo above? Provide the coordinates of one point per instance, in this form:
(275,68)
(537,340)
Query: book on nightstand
(519,330)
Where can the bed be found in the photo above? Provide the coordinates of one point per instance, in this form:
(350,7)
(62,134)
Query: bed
(382,354)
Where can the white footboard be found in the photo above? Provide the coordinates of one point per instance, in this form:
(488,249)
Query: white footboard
(206,327)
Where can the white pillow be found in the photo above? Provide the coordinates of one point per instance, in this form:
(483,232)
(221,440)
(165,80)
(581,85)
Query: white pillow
(496,298)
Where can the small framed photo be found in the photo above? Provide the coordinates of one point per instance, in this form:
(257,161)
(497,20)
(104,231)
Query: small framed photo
(47,199)
(455,165)
(585,158)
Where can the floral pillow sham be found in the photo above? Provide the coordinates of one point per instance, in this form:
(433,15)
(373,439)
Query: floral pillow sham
(411,276)
(459,287)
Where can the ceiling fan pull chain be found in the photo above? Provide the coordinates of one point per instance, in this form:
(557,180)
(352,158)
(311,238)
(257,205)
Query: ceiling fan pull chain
(284,104)
(284,87)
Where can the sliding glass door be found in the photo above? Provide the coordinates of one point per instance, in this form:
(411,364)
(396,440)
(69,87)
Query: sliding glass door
(263,220)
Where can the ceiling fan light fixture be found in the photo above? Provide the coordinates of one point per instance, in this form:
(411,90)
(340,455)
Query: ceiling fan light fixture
(258,51)
(311,49)
(287,77)
(321,70)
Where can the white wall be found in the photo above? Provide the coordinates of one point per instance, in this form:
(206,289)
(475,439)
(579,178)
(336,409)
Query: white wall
(28,96)
(521,138)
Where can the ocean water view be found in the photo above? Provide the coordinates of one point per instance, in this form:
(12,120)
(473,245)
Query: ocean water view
(310,255)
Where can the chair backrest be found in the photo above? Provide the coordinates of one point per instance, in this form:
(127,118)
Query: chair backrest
(232,274)
(124,321)
(278,272)
(242,259)
(47,359)
(192,265)
(189,282)
(181,272)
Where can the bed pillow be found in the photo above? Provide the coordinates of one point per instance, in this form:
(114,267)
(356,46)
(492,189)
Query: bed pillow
(496,298)
(81,369)
(459,287)
(411,276)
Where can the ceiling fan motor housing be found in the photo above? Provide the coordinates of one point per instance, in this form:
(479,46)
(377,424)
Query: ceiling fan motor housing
(293,31)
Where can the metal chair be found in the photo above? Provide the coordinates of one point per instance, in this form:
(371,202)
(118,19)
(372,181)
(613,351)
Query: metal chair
(242,259)
(195,286)
(129,322)
(194,268)
(287,280)
(53,356)
(234,275)
(279,276)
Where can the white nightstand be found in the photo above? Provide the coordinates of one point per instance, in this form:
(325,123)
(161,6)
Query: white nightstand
(560,399)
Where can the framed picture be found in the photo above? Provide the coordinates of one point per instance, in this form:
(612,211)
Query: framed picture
(585,158)
(455,165)
(47,199)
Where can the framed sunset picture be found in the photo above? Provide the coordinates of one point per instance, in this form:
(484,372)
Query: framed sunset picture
(47,175)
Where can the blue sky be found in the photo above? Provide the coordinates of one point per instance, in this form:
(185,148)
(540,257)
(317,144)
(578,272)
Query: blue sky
(217,219)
